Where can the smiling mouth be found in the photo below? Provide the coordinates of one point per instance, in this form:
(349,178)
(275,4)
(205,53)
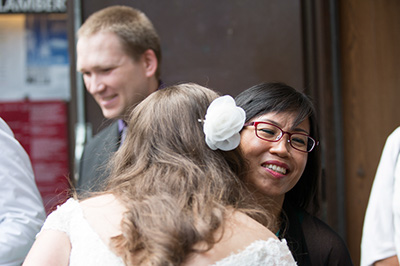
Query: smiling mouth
(275,168)
(107,101)
(109,98)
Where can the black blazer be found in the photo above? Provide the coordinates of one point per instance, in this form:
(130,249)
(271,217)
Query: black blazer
(97,153)
(311,241)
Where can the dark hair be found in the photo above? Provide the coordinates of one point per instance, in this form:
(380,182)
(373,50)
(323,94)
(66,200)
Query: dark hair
(279,97)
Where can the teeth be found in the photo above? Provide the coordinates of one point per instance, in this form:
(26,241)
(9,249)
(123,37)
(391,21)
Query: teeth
(108,98)
(276,168)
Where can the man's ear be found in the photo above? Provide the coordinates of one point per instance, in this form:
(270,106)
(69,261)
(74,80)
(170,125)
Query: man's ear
(151,62)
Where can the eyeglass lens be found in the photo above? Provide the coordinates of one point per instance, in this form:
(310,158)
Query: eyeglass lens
(298,141)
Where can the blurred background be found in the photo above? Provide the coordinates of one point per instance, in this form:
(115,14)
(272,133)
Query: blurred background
(345,54)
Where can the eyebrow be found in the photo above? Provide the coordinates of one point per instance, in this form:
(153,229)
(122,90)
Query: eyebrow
(296,129)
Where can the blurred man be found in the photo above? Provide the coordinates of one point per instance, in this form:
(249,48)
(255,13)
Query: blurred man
(118,54)
(21,208)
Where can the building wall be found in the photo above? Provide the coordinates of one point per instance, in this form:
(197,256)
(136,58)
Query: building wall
(370,56)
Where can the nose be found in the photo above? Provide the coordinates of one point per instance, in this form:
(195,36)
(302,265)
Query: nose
(94,84)
(282,146)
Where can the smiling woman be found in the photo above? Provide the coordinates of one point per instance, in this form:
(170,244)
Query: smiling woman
(280,143)
(265,156)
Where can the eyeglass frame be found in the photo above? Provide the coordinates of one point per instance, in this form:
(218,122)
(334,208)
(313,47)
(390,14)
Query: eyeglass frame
(255,123)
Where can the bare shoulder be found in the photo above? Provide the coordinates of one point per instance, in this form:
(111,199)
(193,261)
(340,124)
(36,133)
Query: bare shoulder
(244,229)
(104,214)
(52,247)
(106,204)
(239,232)
(97,201)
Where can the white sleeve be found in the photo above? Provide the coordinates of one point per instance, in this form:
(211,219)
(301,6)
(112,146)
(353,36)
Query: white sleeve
(396,208)
(60,218)
(378,232)
(21,207)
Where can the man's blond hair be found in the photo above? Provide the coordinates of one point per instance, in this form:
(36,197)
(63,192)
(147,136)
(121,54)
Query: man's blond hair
(133,28)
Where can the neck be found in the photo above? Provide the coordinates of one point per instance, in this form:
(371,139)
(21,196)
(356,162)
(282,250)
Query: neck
(274,206)
(154,84)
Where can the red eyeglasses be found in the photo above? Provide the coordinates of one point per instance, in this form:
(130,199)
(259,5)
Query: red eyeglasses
(272,133)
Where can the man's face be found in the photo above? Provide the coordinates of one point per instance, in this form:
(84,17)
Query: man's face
(115,80)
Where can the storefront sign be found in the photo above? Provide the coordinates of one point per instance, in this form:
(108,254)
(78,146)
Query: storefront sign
(42,129)
(34,58)
(33,6)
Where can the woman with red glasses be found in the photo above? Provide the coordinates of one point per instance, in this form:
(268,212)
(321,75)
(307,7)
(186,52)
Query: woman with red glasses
(280,142)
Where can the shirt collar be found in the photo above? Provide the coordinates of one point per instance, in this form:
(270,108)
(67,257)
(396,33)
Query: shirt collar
(121,125)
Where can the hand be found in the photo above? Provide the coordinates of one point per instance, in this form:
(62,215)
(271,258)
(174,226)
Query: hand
(391,261)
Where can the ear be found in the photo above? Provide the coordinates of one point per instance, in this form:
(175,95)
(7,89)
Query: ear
(150,62)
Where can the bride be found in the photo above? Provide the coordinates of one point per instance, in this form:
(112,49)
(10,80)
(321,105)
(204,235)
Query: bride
(176,194)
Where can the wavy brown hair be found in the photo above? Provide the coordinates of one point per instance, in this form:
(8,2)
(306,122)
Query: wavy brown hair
(175,188)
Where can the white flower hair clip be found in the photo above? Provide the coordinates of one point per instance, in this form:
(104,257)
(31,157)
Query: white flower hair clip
(222,124)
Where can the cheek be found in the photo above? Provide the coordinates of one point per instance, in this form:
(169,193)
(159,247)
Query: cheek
(116,80)
(305,158)
(301,163)
(124,87)
(86,80)
(246,144)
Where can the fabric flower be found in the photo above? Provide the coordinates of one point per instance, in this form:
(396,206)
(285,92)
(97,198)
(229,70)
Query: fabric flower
(222,124)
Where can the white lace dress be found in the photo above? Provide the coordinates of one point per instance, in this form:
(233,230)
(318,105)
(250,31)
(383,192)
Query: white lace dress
(88,249)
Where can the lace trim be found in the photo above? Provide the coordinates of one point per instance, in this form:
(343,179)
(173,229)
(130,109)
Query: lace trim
(87,246)
(60,218)
(261,252)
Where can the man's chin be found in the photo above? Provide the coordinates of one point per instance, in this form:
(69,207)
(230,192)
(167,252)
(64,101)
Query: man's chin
(111,115)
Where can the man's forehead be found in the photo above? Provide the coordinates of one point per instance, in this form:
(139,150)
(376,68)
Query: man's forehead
(98,52)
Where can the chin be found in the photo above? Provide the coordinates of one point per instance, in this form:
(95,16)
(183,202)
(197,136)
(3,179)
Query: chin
(108,116)
(111,115)
(273,194)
